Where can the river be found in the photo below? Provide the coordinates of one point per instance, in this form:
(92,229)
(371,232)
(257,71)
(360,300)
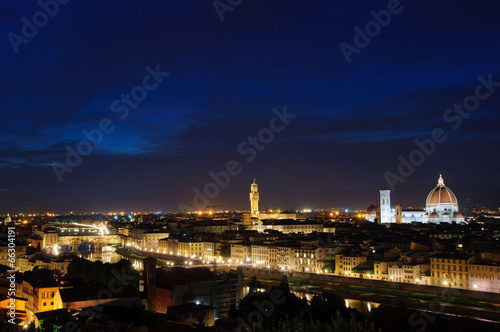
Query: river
(113,257)
(110,257)
(362,306)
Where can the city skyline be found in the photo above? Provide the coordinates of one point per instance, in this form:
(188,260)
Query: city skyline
(302,96)
(199,206)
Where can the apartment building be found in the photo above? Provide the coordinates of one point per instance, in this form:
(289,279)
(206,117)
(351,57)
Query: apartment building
(344,264)
(190,248)
(413,272)
(450,269)
(284,257)
(485,277)
(150,240)
(4,252)
(169,246)
(396,273)
(273,252)
(308,259)
(381,269)
(289,226)
(27,264)
(50,238)
(211,250)
(260,255)
(241,253)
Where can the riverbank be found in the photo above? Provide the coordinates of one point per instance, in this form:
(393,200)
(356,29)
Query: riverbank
(127,254)
(437,304)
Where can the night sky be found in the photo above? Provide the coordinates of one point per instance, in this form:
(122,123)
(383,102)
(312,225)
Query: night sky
(348,120)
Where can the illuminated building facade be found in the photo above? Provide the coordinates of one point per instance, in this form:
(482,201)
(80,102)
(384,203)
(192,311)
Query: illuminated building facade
(441,206)
(450,270)
(484,277)
(254,198)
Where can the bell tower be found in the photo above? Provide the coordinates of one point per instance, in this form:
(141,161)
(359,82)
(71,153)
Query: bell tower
(254,198)
(385,206)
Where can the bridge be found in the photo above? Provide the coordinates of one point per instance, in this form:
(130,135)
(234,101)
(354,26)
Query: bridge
(76,240)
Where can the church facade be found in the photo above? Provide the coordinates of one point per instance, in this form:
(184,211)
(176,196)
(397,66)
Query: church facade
(441,206)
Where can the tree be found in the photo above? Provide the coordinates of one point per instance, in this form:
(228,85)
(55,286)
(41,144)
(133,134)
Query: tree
(225,250)
(284,286)
(289,305)
(31,250)
(254,285)
(323,305)
(304,323)
(233,312)
(97,272)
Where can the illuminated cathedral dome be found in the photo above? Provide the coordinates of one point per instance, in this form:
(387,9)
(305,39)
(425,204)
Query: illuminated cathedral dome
(441,194)
(442,204)
(371,213)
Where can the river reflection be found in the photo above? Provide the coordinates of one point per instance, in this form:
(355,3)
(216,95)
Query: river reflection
(110,257)
(364,307)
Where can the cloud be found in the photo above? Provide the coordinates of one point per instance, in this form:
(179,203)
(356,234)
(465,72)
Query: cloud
(368,137)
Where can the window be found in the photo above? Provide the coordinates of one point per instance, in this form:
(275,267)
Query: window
(44,304)
(51,303)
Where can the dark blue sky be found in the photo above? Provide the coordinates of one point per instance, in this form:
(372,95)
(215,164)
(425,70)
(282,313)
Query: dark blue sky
(352,120)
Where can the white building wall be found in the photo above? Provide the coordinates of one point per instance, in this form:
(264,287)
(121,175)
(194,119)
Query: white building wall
(385,206)
(484,285)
